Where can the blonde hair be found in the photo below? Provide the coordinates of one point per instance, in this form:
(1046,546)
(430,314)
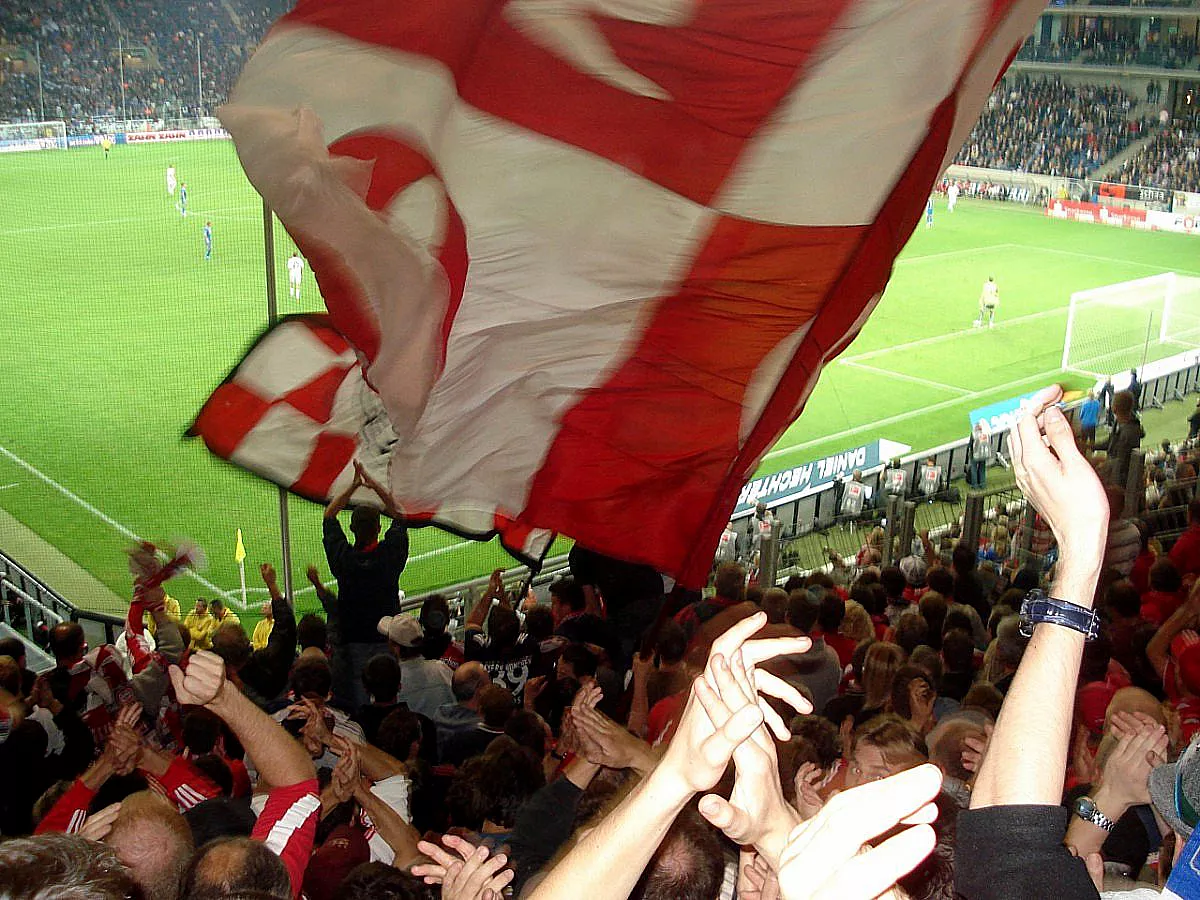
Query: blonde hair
(857,622)
(879,672)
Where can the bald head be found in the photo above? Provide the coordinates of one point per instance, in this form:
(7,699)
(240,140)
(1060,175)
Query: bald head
(227,866)
(154,842)
(469,679)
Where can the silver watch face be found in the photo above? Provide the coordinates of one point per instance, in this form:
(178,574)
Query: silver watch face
(1085,808)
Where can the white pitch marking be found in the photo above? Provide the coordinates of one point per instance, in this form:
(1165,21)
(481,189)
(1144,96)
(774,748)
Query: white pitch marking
(100,514)
(913,378)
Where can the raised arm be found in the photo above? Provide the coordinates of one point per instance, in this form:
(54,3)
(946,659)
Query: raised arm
(281,761)
(495,591)
(1020,782)
(282,642)
(1027,758)
(338,503)
(611,857)
(390,509)
(327,597)
(1159,648)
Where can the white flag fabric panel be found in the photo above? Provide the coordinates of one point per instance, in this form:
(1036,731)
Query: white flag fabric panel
(593,254)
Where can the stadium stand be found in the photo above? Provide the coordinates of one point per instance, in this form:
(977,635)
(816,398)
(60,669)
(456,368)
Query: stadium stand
(1063,50)
(186,756)
(1175,52)
(1051,127)
(1171,160)
(78,43)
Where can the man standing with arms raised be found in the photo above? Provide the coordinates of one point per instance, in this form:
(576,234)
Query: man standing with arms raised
(368,577)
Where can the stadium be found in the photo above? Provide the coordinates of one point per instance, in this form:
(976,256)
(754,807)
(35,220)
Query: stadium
(148,279)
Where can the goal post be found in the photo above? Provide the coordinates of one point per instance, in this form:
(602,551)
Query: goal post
(1124,325)
(15,136)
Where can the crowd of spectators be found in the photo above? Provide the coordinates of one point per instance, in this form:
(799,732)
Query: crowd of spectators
(1173,52)
(1064,50)
(1171,160)
(881,730)
(78,41)
(1048,126)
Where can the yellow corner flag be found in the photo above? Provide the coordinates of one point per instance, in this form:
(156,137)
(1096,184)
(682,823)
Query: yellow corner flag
(240,552)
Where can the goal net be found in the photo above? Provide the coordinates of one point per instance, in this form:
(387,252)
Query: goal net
(1122,326)
(33,136)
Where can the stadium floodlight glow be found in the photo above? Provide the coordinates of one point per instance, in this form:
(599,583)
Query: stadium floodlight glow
(1125,325)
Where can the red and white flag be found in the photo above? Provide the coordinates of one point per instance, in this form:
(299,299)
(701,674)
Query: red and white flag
(592,254)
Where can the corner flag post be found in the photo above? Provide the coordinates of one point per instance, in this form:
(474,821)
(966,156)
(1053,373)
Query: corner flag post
(239,554)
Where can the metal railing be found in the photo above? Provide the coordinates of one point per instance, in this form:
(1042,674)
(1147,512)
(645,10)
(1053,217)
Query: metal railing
(31,607)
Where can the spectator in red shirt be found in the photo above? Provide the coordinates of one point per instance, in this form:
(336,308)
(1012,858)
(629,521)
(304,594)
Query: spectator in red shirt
(1165,594)
(274,858)
(1186,552)
(1175,654)
(829,622)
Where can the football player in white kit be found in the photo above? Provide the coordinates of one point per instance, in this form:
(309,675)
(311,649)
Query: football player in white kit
(951,196)
(171,181)
(295,267)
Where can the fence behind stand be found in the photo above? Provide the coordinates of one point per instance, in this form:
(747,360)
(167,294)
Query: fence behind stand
(26,601)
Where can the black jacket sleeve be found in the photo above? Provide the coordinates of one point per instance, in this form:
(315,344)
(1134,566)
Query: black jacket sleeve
(1017,852)
(543,825)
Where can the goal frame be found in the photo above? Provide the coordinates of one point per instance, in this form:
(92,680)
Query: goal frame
(55,141)
(1168,282)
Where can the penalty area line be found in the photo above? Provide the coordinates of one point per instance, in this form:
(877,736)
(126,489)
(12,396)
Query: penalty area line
(104,517)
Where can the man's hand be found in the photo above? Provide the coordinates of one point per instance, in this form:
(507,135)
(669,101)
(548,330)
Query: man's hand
(203,681)
(975,748)
(756,812)
(41,695)
(808,799)
(471,875)
(533,689)
(496,584)
(643,667)
(1060,484)
(605,743)
(347,772)
(1126,778)
(756,879)
(720,714)
(313,575)
(267,571)
(827,858)
(97,826)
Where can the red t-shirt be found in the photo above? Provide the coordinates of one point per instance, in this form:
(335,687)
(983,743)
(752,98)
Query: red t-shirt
(1158,606)
(843,646)
(288,827)
(1186,552)
(183,784)
(664,717)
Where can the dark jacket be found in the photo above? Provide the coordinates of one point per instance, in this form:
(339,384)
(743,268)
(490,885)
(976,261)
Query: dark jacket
(368,580)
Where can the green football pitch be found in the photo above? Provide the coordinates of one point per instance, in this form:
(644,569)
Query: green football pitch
(117,328)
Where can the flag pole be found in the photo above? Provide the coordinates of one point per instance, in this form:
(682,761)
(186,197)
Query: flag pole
(239,554)
(285,529)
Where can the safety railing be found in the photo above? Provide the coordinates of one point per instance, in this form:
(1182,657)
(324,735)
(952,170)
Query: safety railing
(30,607)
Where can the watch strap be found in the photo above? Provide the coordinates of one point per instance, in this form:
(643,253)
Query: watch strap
(1039,607)
(1093,815)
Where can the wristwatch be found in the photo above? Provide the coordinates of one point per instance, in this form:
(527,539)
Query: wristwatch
(1038,606)
(1086,809)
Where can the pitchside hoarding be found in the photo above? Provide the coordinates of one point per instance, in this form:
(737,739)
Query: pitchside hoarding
(800,481)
